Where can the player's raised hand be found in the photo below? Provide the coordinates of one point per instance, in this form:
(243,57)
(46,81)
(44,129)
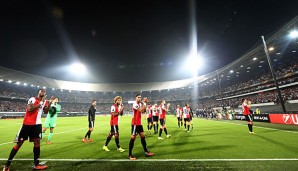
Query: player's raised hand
(43,99)
(52,98)
(145,100)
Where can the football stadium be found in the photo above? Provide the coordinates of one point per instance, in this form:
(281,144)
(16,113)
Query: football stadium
(242,116)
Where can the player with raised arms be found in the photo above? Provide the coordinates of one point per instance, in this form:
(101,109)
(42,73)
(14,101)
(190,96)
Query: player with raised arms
(51,119)
(31,128)
(246,112)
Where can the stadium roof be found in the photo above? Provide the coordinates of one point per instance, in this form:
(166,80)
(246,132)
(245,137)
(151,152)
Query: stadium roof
(279,40)
(18,76)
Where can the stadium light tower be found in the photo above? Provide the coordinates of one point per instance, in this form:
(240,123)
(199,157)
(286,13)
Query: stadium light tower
(220,89)
(273,75)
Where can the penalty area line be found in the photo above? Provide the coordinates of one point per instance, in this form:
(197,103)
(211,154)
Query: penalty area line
(156,160)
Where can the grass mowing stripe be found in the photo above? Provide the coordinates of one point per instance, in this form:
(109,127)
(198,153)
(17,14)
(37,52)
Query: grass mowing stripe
(258,127)
(56,133)
(156,160)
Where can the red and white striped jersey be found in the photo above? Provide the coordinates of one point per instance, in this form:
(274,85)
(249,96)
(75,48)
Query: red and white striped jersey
(149,111)
(179,112)
(137,115)
(245,108)
(34,117)
(155,110)
(115,119)
(162,111)
(186,112)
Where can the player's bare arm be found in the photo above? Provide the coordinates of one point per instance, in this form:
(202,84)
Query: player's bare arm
(168,106)
(115,113)
(31,107)
(122,108)
(47,108)
(143,108)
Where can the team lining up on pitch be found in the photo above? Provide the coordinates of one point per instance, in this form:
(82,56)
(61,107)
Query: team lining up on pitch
(32,124)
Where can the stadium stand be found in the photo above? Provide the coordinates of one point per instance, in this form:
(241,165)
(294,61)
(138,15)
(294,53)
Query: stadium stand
(249,76)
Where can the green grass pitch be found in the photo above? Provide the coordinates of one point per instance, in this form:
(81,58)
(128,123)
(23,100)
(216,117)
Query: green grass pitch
(212,145)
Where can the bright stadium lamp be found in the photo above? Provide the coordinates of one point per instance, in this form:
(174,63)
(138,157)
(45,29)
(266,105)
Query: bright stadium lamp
(194,62)
(293,34)
(78,68)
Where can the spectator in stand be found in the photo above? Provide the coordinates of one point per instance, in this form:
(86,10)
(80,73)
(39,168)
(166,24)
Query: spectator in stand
(258,111)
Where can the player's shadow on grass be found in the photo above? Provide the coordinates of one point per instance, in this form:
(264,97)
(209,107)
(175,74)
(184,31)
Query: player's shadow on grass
(283,145)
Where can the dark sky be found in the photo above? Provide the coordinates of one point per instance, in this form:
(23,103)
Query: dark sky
(132,41)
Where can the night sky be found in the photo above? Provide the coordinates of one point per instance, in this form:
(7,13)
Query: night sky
(132,41)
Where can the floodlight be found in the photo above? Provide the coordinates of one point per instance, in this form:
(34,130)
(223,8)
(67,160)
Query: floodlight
(194,62)
(78,68)
(255,58)
(271,48)
(293,34)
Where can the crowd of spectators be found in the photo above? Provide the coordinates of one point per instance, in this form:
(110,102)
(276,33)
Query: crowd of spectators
(291,93)
(205,95)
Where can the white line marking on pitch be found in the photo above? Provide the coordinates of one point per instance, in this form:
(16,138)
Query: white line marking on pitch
(260,127)
(156,160)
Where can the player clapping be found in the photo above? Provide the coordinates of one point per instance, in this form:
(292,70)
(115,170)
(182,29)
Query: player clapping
(51,119)
(116,110)
(186,116)
(31,128)
(138,108)
(179,115)
(155,114)
(162,119)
